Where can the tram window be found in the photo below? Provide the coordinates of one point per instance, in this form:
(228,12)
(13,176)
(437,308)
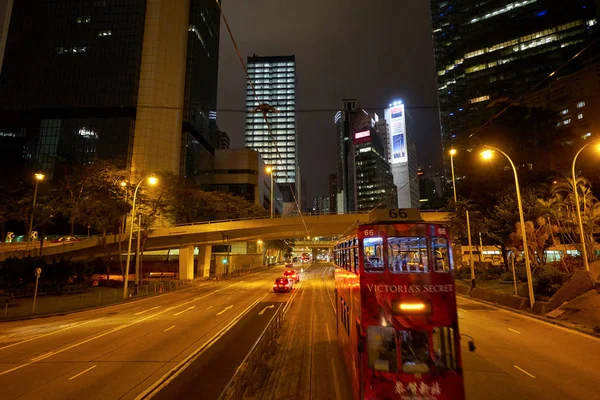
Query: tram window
(415,351)
(440,254)
(373,254)
(356,260)
(382,344)
(352,265)
(408,255)
(444,347)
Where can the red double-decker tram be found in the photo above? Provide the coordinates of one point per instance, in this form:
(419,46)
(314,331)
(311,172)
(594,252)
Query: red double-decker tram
(397,323)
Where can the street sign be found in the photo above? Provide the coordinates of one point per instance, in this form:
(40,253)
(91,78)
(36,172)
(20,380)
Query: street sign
(38,272)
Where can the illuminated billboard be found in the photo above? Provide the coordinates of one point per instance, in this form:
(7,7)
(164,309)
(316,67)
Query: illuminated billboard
(397,133)
(360,135)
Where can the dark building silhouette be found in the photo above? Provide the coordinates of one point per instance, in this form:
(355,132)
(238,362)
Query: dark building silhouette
(489,53)
(102,79)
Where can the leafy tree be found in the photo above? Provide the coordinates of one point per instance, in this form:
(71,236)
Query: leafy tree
(501,222)
(539,238)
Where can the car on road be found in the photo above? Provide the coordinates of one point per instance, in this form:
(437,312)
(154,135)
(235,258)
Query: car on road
(282,285)
(66,239)
(289,266)
(292,274)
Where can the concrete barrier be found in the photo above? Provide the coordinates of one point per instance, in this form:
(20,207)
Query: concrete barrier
(463,289)
(506,300)
(576,285)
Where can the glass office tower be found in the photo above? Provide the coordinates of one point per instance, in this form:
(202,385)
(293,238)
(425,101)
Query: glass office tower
(274,80)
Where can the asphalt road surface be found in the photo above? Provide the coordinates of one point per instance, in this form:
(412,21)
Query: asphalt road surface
(519,357)
(122,351)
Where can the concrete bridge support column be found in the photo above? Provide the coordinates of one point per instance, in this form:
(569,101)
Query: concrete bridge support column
(186,262)
(204,256)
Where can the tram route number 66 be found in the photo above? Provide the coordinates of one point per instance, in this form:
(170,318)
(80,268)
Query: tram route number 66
(398,213)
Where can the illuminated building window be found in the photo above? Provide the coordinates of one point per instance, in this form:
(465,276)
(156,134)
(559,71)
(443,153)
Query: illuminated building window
(506,8)
(84,20)
(105,33)
(564,112)
(567,121)
(581,104)
(580,116)
(479,99)
(591,22)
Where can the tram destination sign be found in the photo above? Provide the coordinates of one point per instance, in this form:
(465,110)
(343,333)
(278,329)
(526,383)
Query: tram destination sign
(395,215)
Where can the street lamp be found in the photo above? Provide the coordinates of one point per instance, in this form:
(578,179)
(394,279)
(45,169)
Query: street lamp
(270,171)
(578,208)
(452,154)
(38,177)
(487,155)
(152,180)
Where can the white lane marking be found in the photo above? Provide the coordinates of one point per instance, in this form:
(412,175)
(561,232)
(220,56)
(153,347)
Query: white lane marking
(118,328)
(516,314)
(145,311)
(168,329)
(335,380)
(228,298)
(187,309)
(82,372)
(225,310)
(227,287)
(462,309)
(328,334)
(51,333)
(209,307)
(179,368)
(42,356)
(265,309)
(523,371)
(511,329)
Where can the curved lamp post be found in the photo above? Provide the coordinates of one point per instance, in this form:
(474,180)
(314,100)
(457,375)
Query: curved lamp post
(584,254)
(152,180)
(488,154)
(270,171)
(38,177)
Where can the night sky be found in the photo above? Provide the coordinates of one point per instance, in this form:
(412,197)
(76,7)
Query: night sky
(376,51)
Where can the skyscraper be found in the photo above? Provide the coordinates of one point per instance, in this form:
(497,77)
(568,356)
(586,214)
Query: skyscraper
(109,81)
(491,52)
(349,120)
(374,181)
(402,154)
(274,79)
(333,189)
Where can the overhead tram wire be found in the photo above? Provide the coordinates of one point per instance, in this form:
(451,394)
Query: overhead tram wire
(264,115)
(532,88)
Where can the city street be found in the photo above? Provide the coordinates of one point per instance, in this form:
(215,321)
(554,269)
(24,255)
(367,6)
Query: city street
(121,351)
(519,357)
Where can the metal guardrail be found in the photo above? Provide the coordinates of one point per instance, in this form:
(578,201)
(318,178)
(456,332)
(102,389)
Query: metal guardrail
(255,218)
(252,373)
(19,308)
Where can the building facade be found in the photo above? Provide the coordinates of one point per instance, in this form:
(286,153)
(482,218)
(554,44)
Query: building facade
(374,180)
(350,119)
(222,140)
(489,53)
(322,205)
(274,80)
(109,81)
(402,154)
(333,190)
(575,100)
(241,172)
